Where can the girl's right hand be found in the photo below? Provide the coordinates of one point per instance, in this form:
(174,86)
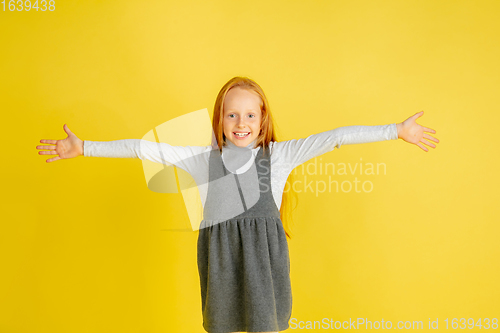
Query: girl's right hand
(70,147)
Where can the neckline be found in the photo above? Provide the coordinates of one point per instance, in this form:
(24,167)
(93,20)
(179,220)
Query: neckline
(251,161)
(231,145)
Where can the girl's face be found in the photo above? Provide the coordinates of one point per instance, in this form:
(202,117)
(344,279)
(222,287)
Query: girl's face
(242,116)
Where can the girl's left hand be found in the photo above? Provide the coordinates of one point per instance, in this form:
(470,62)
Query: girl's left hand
(412,132)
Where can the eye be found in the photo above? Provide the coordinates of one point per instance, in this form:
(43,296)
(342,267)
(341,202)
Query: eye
(251,116)
(232,115)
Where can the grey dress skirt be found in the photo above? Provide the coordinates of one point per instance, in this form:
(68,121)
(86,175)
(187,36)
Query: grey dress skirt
(243,258)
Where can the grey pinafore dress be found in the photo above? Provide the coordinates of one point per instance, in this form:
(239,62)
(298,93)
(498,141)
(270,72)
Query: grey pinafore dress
(243,261)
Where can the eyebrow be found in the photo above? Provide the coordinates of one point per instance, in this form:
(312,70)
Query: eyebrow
(232,110)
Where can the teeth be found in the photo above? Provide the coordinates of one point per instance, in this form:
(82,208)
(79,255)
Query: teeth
(242,134)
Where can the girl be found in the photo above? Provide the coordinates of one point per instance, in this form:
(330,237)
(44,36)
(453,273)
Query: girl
(243,258)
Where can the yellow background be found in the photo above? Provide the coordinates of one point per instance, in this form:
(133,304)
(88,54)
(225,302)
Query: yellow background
(82,246)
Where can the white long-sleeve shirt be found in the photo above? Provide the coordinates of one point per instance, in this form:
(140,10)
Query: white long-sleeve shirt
(285,155)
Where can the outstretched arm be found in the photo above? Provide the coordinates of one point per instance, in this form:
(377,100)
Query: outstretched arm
(295,152)
(414,133)
(188,158)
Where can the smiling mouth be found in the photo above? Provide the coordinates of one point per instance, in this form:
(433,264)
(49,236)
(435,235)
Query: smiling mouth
(241,134)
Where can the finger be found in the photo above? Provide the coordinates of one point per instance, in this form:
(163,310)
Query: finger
(67,130)
(43,152)
(46,147)
(49,141)
(430,130)
(427,136)
(422,146)
(418,114)
(428,143)
(53,159)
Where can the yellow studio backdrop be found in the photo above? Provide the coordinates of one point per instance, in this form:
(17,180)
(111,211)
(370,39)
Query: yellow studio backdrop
(84,245)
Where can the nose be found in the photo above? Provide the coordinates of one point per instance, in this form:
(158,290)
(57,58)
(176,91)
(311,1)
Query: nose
(241,122)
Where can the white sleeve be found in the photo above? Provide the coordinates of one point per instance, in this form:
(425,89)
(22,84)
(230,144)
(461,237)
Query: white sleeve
(295,152)
(184,157)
